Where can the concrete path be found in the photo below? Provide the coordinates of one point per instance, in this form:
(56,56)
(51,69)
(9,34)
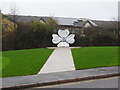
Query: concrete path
(60,60)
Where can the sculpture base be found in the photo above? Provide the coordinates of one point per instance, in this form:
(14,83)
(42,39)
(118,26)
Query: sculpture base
(61,47)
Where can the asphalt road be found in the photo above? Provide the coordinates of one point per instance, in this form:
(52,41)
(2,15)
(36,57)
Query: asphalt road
(98,83)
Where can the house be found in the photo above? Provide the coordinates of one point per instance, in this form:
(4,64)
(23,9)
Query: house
(75,25)
(67,22)
(63,22)
(107,24)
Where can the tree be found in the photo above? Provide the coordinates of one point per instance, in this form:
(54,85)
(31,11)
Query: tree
(13,14)
(8,38)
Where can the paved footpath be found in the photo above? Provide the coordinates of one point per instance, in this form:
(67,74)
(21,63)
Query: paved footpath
(60,60)
(58,77)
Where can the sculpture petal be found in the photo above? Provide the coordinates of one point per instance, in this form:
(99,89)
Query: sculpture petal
(70,39)
(56,39)
(63,44)
(63,33)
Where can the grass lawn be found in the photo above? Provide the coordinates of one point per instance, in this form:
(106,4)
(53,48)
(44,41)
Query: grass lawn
(23,62)
(91,57)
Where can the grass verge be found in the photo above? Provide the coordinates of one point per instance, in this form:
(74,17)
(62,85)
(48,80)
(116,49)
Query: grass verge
(92,57)
(23,62)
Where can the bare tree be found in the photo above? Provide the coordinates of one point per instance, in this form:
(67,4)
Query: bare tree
(13,14)
(53,22)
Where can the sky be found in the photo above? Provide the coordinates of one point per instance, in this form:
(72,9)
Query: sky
(92,9)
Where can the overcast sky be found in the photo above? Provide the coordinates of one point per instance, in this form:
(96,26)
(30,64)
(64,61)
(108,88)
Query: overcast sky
(92,9)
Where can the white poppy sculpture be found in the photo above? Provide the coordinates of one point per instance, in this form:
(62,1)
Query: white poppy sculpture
(64,38)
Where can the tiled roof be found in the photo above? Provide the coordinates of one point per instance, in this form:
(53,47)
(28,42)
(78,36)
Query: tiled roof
(63,21)
(76,22)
